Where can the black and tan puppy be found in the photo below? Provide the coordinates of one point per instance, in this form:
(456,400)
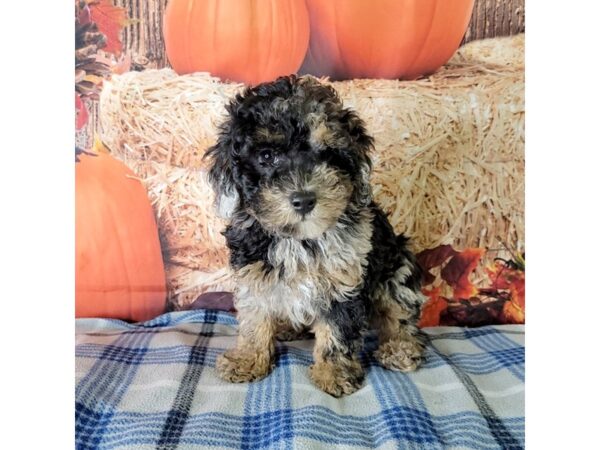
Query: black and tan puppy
(309,247)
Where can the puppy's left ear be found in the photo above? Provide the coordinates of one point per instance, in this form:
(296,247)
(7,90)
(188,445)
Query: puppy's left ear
(363,193)
(220,176)
(362,144)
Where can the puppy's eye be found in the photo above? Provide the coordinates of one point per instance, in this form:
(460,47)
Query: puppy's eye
(266,157)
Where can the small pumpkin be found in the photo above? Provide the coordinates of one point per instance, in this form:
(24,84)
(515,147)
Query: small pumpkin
(383,38)
(119,271)
(245,41)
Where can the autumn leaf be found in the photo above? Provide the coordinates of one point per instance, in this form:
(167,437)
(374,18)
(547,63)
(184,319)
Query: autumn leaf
(512,313)
(505,277)
(474,312)
(502,301)
(508,282)
(456,272)
(110,20)
(84,16)
(214,300)
(514,310)
(433,307)
(116,65)
(81,112)
(95,79)
(517,291)
(122,65)
(494,273)
(430,258)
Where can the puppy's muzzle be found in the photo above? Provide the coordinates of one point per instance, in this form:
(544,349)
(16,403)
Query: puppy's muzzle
(303,202)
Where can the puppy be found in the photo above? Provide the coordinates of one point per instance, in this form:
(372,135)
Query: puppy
(309,247)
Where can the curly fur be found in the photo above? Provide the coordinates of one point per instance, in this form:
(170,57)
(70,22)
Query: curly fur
(337,269)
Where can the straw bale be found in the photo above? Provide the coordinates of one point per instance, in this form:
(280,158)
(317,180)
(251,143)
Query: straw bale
(448,159)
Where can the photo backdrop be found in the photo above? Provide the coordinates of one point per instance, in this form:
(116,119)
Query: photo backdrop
(448,163)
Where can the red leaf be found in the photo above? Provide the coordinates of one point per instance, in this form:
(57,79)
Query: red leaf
(456,272)
(501,302)
(122,65)
(514,310)
(432,309)
(472,313)
(512,280)
(110,20)
(517,291)
(81,112)
(433,257)
(84,15)
(504,277)
(214,300)
(512,313)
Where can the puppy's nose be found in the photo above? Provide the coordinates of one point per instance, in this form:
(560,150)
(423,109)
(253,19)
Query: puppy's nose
(303,201)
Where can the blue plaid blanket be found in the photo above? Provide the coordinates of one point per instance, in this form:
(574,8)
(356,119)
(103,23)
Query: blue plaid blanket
(153,385)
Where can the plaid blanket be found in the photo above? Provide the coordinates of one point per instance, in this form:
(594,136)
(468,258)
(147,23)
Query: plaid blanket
(153,385)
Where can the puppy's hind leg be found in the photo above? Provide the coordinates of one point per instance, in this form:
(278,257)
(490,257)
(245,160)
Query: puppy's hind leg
(397,310)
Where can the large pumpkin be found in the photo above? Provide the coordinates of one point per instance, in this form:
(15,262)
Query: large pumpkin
(239,40)
(383,38)
(119,269)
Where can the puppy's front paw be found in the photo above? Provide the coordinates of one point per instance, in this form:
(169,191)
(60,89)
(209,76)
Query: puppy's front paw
(337,380)
(239,366)
(403,356)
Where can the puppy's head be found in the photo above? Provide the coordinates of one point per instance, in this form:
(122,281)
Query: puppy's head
(292,157)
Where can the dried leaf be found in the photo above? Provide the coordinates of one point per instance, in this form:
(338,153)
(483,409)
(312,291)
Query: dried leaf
(512,313)
(81,112)
(222,301)
(110,20)
(504,277)
(514,310)
(98,66)
(508,283)
(501,302)
(433,307)
(472,313)
(94,79)
(79,75)
(84,17)
(456,272)
(85,55)
(430,258)
(123,65)
(517,291)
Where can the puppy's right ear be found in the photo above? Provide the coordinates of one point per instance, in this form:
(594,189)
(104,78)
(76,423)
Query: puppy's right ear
(220,176)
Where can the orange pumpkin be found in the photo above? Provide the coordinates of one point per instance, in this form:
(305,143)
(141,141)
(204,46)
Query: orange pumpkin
(246,41)
(383,38)
(119,270)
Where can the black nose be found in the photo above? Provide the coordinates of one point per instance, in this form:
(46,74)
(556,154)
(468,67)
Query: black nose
(303,202)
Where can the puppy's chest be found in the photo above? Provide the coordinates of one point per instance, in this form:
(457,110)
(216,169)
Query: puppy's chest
(300,278)
(325,267)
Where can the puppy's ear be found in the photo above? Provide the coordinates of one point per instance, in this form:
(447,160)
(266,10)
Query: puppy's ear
(361,144)
(341,128)
(221,174)
(363,193)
